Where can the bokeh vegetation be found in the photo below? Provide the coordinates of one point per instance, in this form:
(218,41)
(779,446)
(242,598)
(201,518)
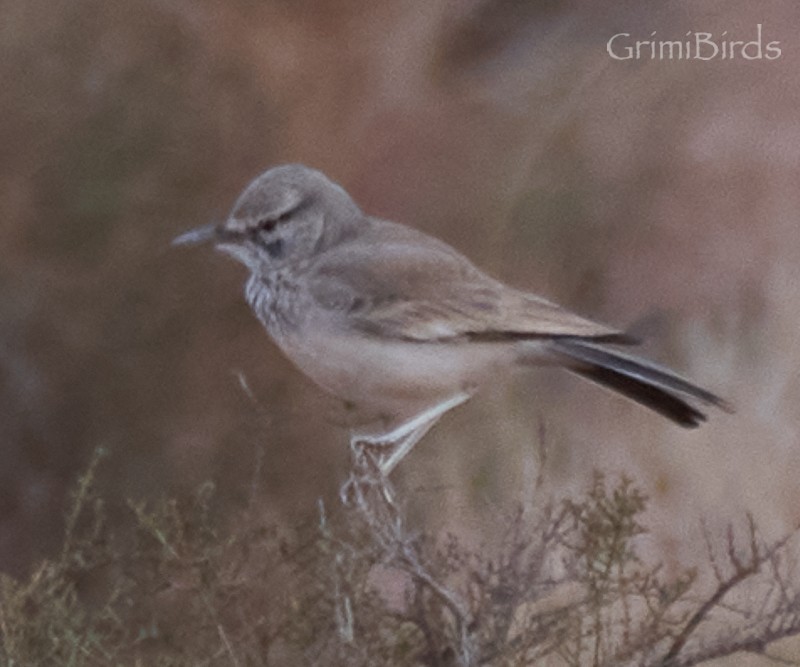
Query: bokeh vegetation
(565,586)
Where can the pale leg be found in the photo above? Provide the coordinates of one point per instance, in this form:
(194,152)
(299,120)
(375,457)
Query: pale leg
(404,437)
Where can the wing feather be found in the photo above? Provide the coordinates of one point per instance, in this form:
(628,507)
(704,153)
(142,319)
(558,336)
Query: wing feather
(426,291)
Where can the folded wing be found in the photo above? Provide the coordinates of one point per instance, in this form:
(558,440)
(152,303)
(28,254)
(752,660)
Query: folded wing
(428,292)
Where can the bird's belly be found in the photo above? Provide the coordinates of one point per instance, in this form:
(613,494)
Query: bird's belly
(393,378)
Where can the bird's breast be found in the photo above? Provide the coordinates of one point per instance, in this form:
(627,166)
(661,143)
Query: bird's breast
(275,299)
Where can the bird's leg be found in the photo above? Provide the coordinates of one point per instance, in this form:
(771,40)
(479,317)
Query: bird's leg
(375,456)
(403,446)
(402,439)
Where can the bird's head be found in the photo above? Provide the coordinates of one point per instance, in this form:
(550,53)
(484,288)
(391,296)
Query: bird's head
(286,215)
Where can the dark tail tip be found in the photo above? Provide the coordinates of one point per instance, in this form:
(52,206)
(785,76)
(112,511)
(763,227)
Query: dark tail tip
(678,410)
(642,381)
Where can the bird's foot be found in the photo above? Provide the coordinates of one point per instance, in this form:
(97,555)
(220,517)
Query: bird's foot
(369,458)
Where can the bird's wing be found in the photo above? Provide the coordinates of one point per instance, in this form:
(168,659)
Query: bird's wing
(429,292)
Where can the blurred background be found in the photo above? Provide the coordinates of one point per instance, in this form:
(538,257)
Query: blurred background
(660,195)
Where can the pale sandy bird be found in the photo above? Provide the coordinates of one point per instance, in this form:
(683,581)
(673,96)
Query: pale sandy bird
(401,324)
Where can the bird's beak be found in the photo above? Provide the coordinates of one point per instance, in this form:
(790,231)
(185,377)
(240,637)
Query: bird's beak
(198,235)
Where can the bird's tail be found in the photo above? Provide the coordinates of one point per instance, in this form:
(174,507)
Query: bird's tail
(649,384)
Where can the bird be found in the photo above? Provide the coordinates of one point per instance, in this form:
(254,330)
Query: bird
(401,324)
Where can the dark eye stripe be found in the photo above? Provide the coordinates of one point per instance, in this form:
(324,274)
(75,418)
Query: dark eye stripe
(268,224)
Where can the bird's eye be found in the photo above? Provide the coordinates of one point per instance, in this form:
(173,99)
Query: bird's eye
(267,224)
